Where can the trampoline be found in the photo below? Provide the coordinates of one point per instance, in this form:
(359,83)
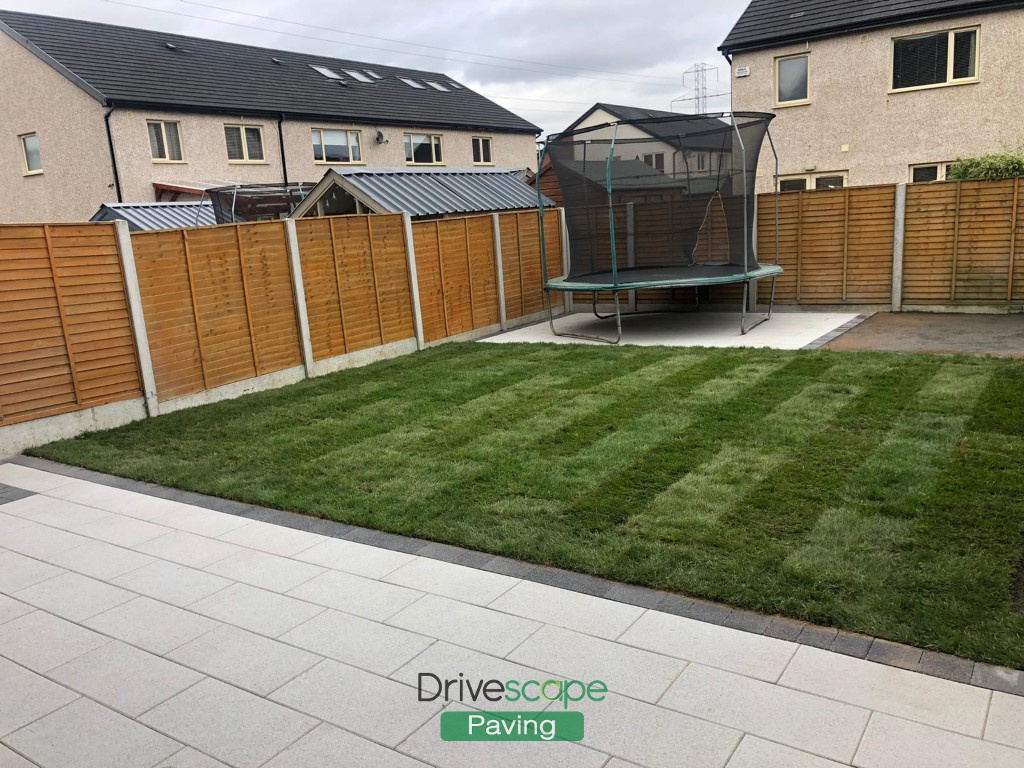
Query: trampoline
(659,203)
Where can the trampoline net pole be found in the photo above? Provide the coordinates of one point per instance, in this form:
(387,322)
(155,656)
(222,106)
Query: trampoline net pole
(611,208)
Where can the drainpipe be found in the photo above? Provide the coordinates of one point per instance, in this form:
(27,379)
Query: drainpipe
(280,144)
(113,157)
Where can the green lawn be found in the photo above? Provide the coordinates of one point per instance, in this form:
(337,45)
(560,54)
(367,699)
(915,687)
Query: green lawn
(873,492)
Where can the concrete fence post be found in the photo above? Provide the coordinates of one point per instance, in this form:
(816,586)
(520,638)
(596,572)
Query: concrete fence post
(299,290)
(135,313)
(414,281)
(499,265)
(899,235)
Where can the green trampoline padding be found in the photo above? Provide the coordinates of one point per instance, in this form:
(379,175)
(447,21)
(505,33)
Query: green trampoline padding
(641,278)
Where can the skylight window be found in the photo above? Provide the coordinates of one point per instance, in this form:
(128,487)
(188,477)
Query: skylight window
(412,83)
(373,74)
(357,75)
(436,86)
(456,86)
(326,72)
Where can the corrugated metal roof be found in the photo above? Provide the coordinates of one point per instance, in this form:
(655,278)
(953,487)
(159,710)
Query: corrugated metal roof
(149,216)
(430,192)
(767,23)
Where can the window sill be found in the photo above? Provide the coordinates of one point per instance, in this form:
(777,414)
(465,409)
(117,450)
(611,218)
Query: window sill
(158,161)
(784,104)
(248,162)
(33,173)
(426,165)
(484,165)
(339,162)
(933,86)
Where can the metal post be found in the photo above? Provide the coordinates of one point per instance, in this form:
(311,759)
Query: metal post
(414,283)
(899,235)
(135,313)
(566,296)
(299,289)
(500,271)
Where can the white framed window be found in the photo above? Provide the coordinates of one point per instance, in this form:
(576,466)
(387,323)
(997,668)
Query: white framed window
(925,172)
(164,141)
(799,182)
(423,149)
(331,146)
(949,57)
(31,155)
(655,159)
(793,80)
(244,143)
(482,150)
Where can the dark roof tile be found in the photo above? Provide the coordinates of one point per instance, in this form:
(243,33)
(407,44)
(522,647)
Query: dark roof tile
(768,23)
(143,67)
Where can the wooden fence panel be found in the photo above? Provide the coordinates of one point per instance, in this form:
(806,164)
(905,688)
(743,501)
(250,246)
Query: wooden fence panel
(218,304)
(322,280)
(929,243)
(391,273)
(271,301)
(67,341)
(834,245)
(221,304)
(165,285)
(457,273)
(984,233)
(356,282)
(521,259)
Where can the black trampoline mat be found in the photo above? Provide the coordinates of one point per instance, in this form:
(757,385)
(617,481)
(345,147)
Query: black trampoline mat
(660,274)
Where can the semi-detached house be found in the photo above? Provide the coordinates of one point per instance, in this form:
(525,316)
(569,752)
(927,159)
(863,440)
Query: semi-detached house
(94,113)
(879,92)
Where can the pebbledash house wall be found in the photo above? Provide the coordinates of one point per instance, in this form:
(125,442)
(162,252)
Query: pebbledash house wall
(851,104)
(77,177)
(205,159)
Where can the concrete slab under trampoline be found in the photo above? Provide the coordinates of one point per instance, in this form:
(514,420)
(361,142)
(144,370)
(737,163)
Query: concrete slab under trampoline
(786,330)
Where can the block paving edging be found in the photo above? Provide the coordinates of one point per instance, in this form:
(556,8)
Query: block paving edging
(835,333)
(860,646)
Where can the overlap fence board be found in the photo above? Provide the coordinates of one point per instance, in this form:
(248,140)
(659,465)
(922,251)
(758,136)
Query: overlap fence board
(963,243)
(67,341)
(165,286)
(836,245)
(356,282)
(521,259)
(218,304)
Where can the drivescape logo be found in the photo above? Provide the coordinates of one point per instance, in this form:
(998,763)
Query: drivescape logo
(558,722)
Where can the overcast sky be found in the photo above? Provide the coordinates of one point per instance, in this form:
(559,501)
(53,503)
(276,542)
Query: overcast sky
(569,53)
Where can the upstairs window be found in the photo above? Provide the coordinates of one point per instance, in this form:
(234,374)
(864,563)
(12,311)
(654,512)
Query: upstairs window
(30,152)
(164,141)
(336,146)
(422,149)
(245,143)
(940,58)
(482,150)
(792,80)
(656,160)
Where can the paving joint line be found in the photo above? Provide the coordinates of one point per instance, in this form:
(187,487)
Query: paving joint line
(385,540)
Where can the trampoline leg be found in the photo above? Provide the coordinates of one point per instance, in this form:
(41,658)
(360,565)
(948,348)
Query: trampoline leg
(563,334)
(744,328)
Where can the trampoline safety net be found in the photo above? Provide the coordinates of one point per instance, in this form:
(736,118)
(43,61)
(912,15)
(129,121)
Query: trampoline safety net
(663,199)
